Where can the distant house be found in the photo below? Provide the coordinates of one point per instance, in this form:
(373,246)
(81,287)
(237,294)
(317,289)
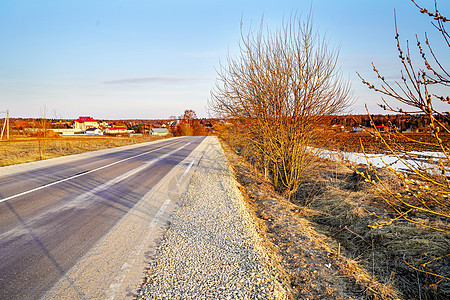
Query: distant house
(383,128)
(173,123)
(93,131)
(117,129)
(84,123)
(160,131)
(338,127)
(67,131)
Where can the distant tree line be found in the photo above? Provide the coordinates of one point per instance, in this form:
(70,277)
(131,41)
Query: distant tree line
(398,121)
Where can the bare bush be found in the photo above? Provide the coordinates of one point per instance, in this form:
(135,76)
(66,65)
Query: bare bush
(275,95)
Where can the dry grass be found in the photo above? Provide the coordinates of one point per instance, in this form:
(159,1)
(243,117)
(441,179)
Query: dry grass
(335,199)
(25,149)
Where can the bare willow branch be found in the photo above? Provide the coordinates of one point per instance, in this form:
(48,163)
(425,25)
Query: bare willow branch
(425,196)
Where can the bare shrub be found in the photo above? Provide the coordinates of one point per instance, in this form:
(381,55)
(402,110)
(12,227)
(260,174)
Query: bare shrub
(275,95)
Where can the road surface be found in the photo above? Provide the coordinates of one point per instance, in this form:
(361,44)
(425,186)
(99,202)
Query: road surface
(85,227)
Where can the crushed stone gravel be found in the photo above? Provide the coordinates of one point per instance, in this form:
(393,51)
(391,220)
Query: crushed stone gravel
(212,249)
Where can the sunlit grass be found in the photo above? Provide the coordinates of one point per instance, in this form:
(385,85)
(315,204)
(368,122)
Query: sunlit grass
(25,149)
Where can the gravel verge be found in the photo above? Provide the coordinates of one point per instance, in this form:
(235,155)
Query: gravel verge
(212,248)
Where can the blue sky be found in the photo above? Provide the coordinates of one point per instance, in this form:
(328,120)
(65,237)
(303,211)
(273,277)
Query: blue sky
(117,59)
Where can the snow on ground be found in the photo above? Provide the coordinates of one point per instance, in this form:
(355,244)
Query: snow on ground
(425,160)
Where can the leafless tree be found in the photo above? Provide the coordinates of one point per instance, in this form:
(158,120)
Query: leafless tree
(276,93)
(189,115)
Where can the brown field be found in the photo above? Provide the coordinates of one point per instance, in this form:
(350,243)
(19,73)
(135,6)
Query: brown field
(21,149)
(351,142)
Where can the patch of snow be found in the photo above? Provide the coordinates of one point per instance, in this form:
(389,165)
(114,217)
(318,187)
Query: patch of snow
(424,160)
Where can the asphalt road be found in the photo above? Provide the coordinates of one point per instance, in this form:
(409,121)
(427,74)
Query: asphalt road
(74,229)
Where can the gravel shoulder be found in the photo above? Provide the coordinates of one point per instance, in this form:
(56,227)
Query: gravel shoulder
(213,248)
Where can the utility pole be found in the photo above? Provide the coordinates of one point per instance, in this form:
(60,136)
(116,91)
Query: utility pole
(5,124)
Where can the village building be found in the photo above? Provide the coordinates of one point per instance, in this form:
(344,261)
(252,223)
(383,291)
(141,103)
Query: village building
(160,131)
(383,128)
(61,124)
(83,123)
(93,131)
(338,127)
(117,128)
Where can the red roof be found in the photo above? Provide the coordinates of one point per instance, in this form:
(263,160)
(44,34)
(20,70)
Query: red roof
(85,119)
(117,128)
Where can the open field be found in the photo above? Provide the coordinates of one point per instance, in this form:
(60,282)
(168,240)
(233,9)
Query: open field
(351,142)
(25,149)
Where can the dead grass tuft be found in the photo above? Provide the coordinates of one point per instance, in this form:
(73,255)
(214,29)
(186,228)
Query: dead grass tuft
(45,134)
(345,208)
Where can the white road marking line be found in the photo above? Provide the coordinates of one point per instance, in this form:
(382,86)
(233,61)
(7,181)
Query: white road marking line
(185,172)
(80,200)
(104,186)
(79,175)
(117,282)
(149,228)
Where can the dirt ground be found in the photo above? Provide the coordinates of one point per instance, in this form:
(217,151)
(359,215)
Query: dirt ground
(326,247)
(19,149)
